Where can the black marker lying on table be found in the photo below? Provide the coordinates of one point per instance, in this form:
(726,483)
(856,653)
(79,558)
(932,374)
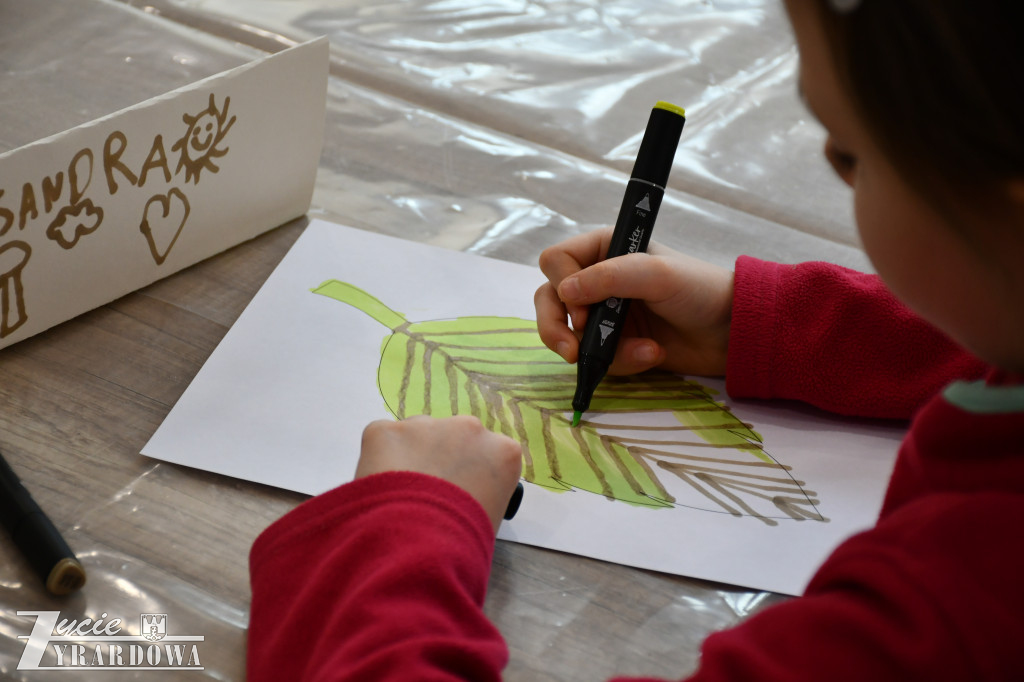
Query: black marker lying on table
(644,192)
(36,537)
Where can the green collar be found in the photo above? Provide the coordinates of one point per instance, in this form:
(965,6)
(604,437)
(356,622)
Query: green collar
(980,398)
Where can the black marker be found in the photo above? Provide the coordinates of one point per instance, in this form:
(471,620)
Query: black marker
(514,502)
(632,233)
(36,537)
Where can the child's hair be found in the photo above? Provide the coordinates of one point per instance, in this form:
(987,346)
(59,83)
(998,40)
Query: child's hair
(939,83)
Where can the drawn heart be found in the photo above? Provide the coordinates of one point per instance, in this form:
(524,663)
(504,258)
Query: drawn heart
(162,228)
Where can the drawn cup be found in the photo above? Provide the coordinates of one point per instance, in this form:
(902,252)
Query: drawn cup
(13,258)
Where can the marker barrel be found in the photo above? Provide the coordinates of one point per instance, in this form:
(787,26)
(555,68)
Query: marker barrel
(658,147)
(632,234)
(605,319)
(36,536)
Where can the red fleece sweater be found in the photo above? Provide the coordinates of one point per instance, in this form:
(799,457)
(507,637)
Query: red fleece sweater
(384,578)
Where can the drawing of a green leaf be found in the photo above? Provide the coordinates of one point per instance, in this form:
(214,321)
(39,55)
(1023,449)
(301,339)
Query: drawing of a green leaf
(497,369)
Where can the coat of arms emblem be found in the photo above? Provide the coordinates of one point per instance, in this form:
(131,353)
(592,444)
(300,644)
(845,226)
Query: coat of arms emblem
(154,626)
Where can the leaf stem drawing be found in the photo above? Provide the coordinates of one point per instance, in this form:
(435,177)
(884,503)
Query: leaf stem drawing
(640,432)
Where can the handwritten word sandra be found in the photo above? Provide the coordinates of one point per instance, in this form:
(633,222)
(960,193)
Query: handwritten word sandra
(51,194)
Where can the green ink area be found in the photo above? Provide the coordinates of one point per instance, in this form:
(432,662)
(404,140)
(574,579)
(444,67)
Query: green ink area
(497,369)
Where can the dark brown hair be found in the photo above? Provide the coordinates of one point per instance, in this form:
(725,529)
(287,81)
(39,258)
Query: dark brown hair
(939,83)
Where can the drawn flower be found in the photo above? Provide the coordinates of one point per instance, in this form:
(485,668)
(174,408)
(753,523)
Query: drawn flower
(199,145)
(84,219)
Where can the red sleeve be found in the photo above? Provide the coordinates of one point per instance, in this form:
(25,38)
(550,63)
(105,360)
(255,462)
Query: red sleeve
(837,339)
(381,579)
(384,579)
(900,602)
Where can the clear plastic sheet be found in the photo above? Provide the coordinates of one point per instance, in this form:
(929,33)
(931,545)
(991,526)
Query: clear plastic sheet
(66,63)
(497,127)
(577,78)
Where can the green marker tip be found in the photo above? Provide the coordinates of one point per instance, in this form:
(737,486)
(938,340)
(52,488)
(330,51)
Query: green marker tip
(576,417)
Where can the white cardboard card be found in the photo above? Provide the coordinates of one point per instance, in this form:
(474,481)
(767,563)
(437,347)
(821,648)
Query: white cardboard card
(98,211)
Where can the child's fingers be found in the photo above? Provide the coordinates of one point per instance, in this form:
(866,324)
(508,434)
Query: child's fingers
(574,254)
(458,449)
(635,355)
(551,323)
(634,276)
(564,260)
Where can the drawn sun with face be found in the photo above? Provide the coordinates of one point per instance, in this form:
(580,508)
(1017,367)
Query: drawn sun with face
(198,147)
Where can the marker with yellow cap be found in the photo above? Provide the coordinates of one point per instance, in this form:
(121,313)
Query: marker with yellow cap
(632,233)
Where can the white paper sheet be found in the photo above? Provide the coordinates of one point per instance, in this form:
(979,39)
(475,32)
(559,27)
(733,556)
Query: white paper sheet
(98,211)
(285,396)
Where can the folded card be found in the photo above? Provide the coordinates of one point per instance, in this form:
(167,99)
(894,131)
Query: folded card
(98,211)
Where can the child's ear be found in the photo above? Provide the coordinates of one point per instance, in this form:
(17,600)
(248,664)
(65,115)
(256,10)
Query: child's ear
(1015,194)
(1011,214)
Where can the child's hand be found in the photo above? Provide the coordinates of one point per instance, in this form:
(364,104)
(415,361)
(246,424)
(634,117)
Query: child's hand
(458,449)
(678,319)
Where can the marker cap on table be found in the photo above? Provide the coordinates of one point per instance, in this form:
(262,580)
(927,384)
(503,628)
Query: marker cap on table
(36,536)
(640,204)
